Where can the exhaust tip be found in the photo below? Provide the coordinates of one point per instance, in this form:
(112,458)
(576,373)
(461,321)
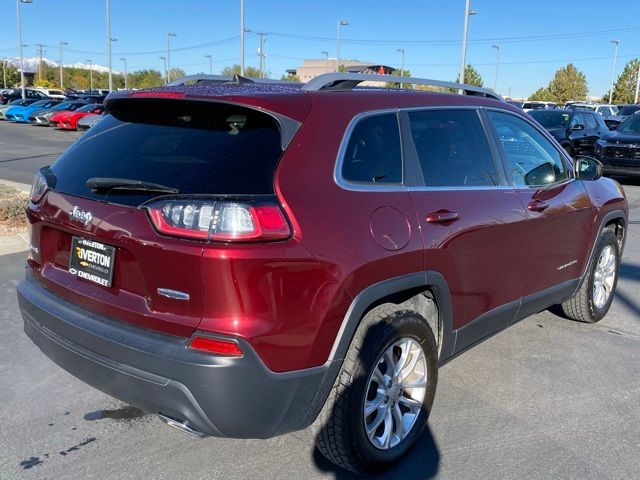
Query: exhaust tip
(181,425)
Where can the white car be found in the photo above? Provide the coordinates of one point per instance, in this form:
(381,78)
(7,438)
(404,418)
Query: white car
(52,92)
(528,106)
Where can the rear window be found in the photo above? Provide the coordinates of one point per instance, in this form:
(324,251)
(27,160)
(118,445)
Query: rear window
(196,148)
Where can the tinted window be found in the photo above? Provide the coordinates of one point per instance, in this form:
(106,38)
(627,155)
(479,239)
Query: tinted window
(195,148)
(590,120)
(628,109)
(373,154)
(532,158)
(533,106)
(630,125)
(452,148)
(579,119)
(552,118)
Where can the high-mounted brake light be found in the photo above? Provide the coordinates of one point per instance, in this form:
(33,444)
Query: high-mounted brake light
(221,220)
(216,346)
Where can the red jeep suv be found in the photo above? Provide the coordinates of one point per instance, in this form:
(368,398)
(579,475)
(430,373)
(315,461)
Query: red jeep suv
(247,259)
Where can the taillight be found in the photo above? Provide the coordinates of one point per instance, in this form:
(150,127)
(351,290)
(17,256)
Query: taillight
(216,346)
(38,187)
(220,220)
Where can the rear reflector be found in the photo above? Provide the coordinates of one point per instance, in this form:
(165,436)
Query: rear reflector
(220,220)
(216,346)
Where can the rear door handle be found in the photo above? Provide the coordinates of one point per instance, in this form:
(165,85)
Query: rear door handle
(442,217)
(537,206)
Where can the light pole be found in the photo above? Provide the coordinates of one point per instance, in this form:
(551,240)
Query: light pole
(164,62)
(341,23)
(61,67)
(169,35)
(242,37)
(326,54)
(261,54)
(18,2)
(401,50)
(637,85)
(90,75)
(495,82)
(210,63)
(126,84)
(109,40)
(613,72)
(465,31)
(4,70)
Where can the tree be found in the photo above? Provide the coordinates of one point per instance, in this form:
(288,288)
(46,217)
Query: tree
(624,90)
(568,83)
(471,76)
(250,72)
(400,73)
(176,73)
(145,78)
(290,77)
(541,95)
(13,76)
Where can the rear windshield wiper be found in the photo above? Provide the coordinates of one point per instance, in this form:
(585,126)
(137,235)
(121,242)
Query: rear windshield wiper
(97,184)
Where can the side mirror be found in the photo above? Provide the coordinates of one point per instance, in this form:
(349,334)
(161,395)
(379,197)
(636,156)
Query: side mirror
(587,168)
(577,127)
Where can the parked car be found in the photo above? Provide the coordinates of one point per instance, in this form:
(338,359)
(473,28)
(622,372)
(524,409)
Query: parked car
(249,259)
(515,103)
(619,151)
(68,120)
(14,103)
(21,114)
(16,93)
(53,93)
(625,110)
(85,123)
(577,130)
(43,117)
(528,106)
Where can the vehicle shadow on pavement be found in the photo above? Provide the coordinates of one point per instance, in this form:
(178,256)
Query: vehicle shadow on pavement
(630,273)
(421,462)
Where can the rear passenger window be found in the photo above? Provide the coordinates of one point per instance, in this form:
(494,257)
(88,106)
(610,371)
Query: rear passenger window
(373,154)
(533,159)
(452,148)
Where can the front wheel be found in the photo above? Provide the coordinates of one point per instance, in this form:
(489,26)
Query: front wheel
(593,300)
(382,397)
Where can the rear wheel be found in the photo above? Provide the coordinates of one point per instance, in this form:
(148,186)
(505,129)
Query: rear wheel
(592,301)
(382,397)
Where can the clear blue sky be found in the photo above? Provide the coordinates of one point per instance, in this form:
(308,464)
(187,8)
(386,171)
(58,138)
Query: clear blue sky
(579,31)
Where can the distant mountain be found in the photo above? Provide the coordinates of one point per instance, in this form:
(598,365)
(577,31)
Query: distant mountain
(31,65)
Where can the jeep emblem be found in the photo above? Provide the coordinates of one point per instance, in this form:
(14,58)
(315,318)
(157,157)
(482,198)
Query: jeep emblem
(81,216)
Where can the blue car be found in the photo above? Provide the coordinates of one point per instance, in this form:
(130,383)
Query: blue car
(20,114)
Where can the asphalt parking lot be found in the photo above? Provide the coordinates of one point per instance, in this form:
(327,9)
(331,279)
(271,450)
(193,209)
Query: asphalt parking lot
(547,398)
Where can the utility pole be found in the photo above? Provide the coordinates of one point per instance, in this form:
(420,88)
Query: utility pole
(109,40)
(18,2)
(61,66)
(4,70)
(169,35)
(126,84)
(261,54)
(90,75)
(637,85)
(164,62)
(40,49)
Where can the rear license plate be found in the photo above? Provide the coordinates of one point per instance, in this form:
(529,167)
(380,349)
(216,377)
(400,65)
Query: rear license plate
(93,261)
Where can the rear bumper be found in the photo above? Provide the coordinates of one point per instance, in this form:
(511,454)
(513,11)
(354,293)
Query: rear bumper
(214,395)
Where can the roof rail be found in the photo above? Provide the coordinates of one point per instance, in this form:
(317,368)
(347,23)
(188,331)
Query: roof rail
(347,81)
(202,78)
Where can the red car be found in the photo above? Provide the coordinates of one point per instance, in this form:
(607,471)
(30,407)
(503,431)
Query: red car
(68,120)
(247,259)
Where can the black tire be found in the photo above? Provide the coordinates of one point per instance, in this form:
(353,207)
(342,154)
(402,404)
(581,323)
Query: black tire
(339,430)
(581,306)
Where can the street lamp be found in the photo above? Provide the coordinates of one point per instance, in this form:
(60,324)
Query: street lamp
(169,35)
(61,67)
(210,63)
(4,70)
(401,50)
(613,72)
(463,63)
(90,75)
(109,40)
(18,2)
(326,54)
(242,30)
(126,84)
(341,23)
(495,82)
(164,61)
(637,85)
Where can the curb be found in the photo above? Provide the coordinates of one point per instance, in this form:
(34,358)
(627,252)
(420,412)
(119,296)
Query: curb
(18,242)
(23,187)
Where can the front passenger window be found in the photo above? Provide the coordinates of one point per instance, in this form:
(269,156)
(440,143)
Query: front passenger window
(533,160)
